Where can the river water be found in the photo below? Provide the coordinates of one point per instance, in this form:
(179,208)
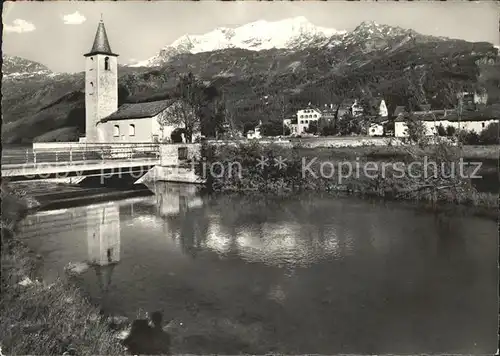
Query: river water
(309,274)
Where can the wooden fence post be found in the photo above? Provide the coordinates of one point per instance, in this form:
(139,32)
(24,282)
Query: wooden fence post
(27,155)
(34,156)
(70,155)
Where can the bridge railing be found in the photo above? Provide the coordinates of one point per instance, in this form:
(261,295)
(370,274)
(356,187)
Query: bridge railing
(80,153)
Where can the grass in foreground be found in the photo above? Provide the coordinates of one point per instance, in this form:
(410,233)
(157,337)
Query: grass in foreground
(41,319)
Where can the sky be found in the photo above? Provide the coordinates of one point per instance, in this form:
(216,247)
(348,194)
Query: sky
(58,33)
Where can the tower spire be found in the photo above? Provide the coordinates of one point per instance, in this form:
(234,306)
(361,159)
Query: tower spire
(101,43)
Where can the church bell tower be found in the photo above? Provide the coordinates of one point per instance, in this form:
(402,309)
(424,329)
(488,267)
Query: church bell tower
(101,85)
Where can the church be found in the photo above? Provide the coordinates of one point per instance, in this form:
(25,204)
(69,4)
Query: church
(105,122)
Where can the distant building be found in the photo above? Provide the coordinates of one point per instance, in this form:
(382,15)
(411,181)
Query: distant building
(345,108)
(382,108)
(292,125)
(376,128)
(374,106)
(255,133)
(140,122)
(354,107)
(305,117)
(357,109)
(450,118)
(317,115)
(105,122)
(472,101)
(101,85)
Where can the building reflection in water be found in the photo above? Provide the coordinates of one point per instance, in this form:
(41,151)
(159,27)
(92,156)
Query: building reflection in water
(298,235)
(179,206)
(175,199)
(103,239)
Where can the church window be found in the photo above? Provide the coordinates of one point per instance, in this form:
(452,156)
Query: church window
(116,131)
(131,130)
(106,63)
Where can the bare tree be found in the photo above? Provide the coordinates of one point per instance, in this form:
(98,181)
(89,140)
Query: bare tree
(182,115)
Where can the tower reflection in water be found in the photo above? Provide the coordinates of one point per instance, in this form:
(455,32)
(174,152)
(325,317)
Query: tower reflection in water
(103,239)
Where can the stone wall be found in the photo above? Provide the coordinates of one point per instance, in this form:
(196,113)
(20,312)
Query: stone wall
(169,153)
(353,141)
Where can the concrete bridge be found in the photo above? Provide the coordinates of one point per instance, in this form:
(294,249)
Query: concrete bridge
(70,160)
(65,160)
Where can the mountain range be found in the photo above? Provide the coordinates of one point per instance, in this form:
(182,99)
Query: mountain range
(293,33)
(289,63)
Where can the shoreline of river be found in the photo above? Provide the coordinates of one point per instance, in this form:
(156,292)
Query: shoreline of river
(274,170)
(488,211)
(68,289)
(41,318)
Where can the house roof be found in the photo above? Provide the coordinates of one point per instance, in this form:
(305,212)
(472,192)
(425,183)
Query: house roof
(101,43)
(379,120)
(473,116)
(422,116)
(453,116)
(139,110)
(427,112)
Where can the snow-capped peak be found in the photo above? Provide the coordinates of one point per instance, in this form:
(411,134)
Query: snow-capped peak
(16,67)
(256,36)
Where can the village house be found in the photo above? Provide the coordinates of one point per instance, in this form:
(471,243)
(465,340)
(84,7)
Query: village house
(375,129)
(377,126)
(292,125)
(255,133)
(305,117)
(432,121)
(469,120)
(473,101)
(376,107)
(105,122)
(355,108)
(141,122)
(316,115)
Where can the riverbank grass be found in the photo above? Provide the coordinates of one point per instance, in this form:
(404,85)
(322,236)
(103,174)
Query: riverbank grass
(432,174)
(37,318)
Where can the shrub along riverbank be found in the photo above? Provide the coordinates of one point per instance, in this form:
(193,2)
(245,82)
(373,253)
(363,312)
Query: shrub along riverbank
(37,318)
(435,174)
